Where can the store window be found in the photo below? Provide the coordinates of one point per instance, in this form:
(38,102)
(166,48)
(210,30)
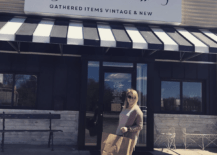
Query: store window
(18,90)
(179,96)
(170,96)
(192,96)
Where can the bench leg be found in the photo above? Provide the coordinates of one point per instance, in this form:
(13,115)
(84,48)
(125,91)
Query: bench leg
(52,140)
(3,135)
(49,139)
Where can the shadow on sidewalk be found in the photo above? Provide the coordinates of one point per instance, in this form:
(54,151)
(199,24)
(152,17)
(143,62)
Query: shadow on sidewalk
(95,152)
(213,150)
(134,153)
(27,149)
(162,152)
(141,153)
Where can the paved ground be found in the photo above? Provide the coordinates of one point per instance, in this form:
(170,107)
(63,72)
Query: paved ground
(69,150)
(22,149)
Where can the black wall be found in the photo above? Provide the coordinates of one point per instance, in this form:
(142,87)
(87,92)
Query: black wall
(59,78)
(188,71)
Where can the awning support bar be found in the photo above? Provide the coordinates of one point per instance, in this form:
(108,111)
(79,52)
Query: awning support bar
(191,56)
(181,55)
(61,49)
(143,53)
(18,45)
(14,47)
(107,50)
(178,61)
(152,52)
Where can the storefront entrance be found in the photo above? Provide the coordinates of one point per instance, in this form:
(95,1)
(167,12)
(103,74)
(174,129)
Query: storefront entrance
(107,83)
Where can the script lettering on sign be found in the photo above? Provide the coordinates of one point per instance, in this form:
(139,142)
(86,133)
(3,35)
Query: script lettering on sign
(167,11)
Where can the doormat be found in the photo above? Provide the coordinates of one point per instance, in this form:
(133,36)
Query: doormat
(94,152)
(141,153)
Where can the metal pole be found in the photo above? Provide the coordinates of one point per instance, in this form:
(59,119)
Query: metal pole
(197,62)
(3,132)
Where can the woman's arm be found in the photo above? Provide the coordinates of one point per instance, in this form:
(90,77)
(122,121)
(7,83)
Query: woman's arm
(139,124)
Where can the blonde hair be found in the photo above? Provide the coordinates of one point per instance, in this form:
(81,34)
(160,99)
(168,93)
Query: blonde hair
(135,94)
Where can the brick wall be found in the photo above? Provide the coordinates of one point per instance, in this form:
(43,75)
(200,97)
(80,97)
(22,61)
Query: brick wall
(68,123)
(204,124)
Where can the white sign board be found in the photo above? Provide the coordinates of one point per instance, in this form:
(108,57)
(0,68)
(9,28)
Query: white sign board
(169,11)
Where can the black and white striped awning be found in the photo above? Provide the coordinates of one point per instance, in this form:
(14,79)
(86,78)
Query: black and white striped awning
(167,38)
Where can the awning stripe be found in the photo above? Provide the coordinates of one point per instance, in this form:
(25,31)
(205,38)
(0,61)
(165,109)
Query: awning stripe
(212,45)
(199,46)
(4,20)
(172,38)
(184,45)
(106,37)
(25,33)
(121,37)
(153,42)
(8,30)
(42,32)
(91,37)
(169,44)
(75,34)
(59,32)
(214,31)
(209,34)
(138,41)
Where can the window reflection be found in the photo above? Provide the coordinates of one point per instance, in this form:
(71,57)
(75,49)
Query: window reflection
(6,88)
(25,90)
(92,85)
(170,96)
(115,86)
(141,88)
(92,100)
(142,83)
(192,96)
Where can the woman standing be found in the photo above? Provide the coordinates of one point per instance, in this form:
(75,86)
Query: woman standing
(131,117)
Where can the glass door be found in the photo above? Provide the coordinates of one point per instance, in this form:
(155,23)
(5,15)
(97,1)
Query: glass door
(91,113)
(115,86)
(106,88)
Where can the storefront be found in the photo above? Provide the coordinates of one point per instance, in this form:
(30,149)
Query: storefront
(78,61)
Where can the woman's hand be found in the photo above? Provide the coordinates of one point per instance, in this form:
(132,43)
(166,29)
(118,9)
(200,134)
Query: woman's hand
(124,129)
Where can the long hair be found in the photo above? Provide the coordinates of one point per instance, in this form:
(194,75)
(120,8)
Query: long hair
(135,94)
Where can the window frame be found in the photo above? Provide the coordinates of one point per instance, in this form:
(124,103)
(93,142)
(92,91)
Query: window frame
(181,96)
(12,101)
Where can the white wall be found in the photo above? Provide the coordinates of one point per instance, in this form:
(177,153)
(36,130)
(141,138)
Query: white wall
(194,12)
(193,123)
(68,123)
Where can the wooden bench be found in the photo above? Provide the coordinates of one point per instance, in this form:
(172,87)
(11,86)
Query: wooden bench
(30,116)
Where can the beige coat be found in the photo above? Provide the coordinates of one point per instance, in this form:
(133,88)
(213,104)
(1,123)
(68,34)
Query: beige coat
(135,122)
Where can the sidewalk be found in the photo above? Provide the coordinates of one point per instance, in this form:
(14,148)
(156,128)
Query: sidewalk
(22,149)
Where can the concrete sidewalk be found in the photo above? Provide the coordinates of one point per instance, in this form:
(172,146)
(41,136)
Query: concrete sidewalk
(22,149)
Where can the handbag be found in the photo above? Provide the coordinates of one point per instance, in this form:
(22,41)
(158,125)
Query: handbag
(112,144)
(92,124)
